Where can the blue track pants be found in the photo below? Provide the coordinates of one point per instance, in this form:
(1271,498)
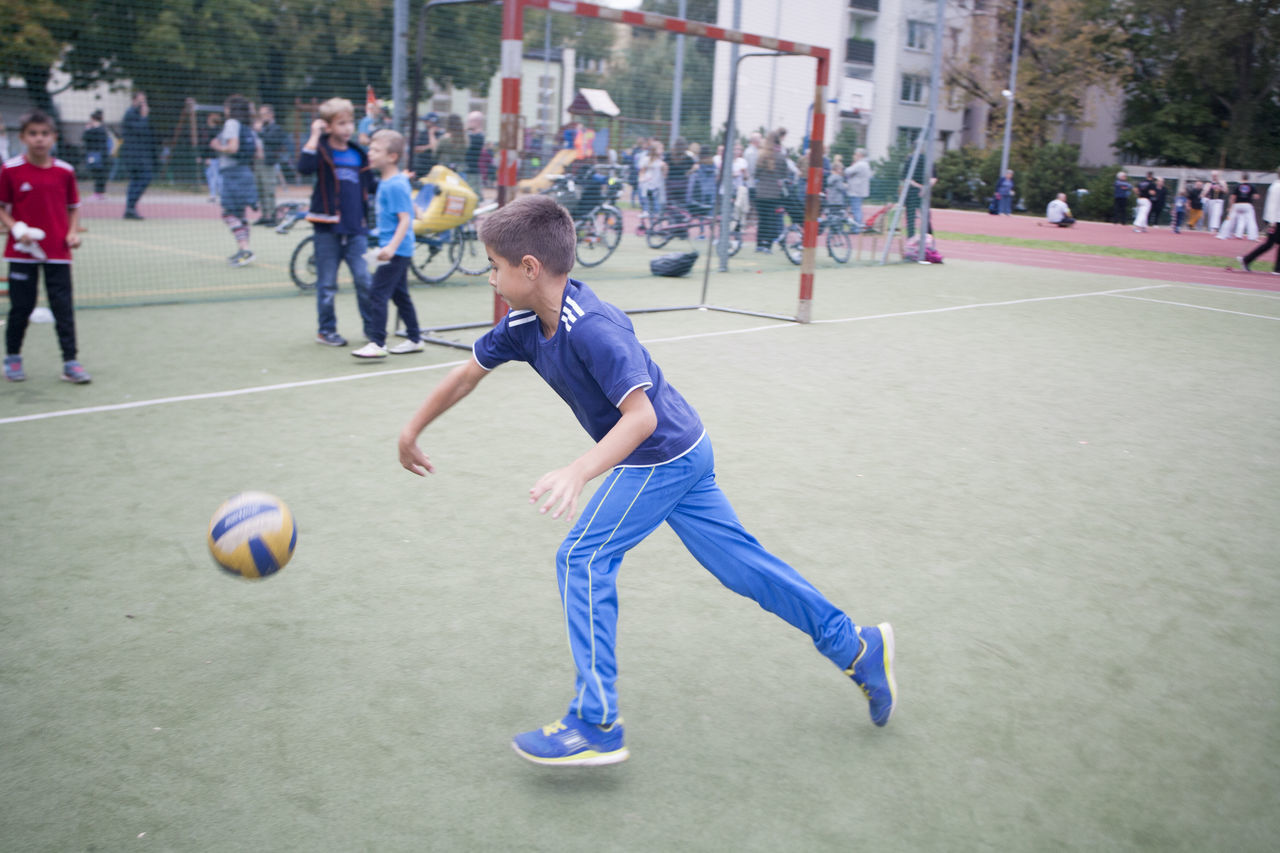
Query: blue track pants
(628,506)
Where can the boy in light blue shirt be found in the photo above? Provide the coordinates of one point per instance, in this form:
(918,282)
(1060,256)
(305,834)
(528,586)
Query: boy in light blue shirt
(393,217)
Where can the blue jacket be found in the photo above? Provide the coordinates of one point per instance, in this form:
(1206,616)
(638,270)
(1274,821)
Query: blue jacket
(325,195)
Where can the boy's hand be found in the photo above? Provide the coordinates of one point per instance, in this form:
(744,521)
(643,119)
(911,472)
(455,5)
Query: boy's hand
(413,459)
(562,487)
(73,241)
(384,254)
(318,127)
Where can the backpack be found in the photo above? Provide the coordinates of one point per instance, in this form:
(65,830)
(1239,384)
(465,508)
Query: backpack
(248,150)
(673,264)
(910,252)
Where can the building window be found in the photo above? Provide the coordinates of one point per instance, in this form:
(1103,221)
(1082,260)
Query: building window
(919,35)
(913,87)
(907,137)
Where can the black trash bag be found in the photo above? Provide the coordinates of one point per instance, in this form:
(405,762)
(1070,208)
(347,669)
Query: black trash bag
(673,264)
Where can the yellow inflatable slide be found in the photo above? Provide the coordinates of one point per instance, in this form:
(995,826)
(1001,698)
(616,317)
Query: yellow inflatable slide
(542,180)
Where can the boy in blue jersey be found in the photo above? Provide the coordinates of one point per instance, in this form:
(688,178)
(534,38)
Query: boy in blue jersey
(651,444)
(338,209)
(393,218)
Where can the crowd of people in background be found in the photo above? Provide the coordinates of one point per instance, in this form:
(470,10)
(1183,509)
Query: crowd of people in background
(245,158)
(1211,205)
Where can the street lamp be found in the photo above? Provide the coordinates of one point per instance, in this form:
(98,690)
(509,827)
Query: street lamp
(1009,93)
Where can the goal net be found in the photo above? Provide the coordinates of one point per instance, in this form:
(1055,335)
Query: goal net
(193,128)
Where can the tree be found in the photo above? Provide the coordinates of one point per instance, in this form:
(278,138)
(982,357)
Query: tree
(640,80)
(29,44)
(268,50)
(1206,74)
(1067,46)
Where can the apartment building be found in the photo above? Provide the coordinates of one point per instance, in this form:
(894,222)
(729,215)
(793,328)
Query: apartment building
(880,76)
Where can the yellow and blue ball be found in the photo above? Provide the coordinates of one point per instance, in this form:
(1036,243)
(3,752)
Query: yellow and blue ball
(252,535)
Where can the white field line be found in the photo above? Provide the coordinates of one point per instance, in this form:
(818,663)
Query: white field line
(990,304)
(1197,307)
(285,386)
(214,395)
(1223,288)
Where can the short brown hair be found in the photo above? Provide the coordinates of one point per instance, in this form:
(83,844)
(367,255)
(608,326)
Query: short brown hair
(335,107)
(531,225)
(35,117)
(394,140)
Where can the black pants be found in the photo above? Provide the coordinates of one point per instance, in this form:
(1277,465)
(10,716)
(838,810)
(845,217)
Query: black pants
(768,221)
(24,287)
(1273,239)
(1120,211)
(390,283)
(99,175)
(139,180)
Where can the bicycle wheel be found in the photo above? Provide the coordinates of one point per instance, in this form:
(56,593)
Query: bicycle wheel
(660,232)
(435,257)
(839,243)
(598,235)
(472,259)
(302,265)
(793,243)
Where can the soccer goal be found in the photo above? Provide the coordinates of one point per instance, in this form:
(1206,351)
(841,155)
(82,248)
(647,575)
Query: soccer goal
(573,99)
(698,202)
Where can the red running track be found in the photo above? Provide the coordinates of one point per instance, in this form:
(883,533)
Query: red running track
(1199,243)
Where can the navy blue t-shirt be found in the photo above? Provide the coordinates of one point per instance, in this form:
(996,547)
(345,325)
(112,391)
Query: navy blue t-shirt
(346,165)
(593,361)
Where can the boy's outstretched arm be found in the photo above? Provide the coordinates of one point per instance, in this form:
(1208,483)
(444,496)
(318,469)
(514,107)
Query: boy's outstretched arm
(457,384)
(564,485)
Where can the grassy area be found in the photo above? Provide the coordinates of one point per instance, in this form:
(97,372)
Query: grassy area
(1113,251)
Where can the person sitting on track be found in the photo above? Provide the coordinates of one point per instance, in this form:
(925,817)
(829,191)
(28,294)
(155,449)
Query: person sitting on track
(1058,213)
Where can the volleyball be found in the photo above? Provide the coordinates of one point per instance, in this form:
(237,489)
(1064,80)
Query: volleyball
(252,535)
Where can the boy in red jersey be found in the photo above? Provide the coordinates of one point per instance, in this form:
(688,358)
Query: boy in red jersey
(39,204)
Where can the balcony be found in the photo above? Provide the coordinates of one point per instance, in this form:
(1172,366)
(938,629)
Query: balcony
(865,5)
(860,50)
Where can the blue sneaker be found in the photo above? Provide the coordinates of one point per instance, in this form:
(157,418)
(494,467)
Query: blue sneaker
(872,671)
(72,371)
(13,368)
(572,742)
(331,339)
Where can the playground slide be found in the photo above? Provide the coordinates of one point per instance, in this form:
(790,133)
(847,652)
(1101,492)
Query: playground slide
(542,180)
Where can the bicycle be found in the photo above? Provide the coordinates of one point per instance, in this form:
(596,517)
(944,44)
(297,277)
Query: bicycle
(597,222)
(838,226)
(679,221)
(436,255)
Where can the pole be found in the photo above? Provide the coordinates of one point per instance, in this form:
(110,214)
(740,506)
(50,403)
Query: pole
(773,72)
(416,90)
(677,87)
(399,63)
(544,99)
(935,83)
(1012,90)
(813,191)
(726,162)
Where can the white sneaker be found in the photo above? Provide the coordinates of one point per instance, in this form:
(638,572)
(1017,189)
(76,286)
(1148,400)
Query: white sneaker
(407,347)
(370,350)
